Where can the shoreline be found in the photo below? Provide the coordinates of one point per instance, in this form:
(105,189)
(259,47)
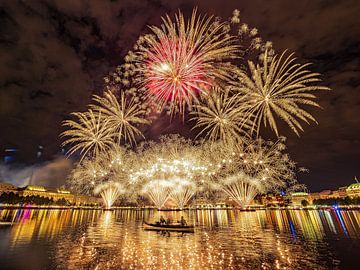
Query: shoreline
(251,209)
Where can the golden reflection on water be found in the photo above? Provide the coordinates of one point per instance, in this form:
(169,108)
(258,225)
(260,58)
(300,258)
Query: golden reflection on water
(223,239)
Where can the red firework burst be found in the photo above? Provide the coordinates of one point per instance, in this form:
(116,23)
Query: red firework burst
(175,73)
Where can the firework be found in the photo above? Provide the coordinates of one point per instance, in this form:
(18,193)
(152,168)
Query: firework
(122,117)
(189,66)
(158,191)
(90,173)
(90,134)
(278,88)
(109,192)
(182,60)
(182,191)
(86,176)
(178,163)
(220,117)
(257,166)
(241,188)
(265,161)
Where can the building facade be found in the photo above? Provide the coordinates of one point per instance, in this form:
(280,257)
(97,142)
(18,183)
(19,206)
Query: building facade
(353,190)
(54,194)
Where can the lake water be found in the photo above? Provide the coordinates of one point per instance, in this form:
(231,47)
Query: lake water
(223,239)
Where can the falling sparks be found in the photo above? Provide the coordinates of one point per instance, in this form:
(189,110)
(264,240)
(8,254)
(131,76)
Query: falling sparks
(109,192)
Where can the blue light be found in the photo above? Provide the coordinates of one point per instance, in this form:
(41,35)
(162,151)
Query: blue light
(8,159)
(11,150)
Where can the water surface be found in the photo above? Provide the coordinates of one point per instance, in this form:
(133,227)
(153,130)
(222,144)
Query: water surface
(223,239)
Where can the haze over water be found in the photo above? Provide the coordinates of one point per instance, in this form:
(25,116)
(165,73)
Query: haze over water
(223,239)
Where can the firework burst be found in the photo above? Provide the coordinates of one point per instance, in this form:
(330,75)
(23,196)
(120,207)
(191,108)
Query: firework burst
(122,117)
(220,117)
(257,166)
(158,191)
(90,134)
(278,88)
(182,191)
(182,60)
(112,165)
(176,165)
(86,175)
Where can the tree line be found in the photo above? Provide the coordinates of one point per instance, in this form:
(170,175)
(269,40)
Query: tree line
(338,201)
(14,198)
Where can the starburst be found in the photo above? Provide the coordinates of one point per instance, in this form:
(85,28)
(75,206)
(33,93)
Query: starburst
(220,116)
(122,116)
(182,60)
(279,87)
(89,134)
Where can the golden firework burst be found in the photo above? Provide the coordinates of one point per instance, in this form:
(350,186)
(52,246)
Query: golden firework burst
(89,134)
(279,87)
(122,116)
(220,116)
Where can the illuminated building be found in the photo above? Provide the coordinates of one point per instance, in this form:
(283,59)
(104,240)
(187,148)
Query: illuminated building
(54,194)
(348,191)
(339,193)
(353,190)
(272,200)
(298,197)
(7,187)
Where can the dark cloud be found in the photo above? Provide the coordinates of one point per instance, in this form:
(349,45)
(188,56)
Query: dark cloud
(54,55)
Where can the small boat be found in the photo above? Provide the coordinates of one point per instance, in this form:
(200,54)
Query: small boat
(246,210)
(108,209)
(168,227)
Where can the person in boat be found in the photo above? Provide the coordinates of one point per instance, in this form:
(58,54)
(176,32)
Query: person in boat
(183,221)
(162,220)
(168,221)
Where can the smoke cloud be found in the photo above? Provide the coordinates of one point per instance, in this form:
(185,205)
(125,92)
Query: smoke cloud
(49,174)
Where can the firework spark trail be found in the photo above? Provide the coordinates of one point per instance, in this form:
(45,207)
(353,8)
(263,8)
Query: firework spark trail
(158,191)
(241,188)
(122,117)
(109,192)
(182,191)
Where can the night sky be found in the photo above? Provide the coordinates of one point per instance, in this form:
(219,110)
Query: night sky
(54,55)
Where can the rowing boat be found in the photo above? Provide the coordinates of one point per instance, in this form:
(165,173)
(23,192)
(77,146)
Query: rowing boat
(168,227)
